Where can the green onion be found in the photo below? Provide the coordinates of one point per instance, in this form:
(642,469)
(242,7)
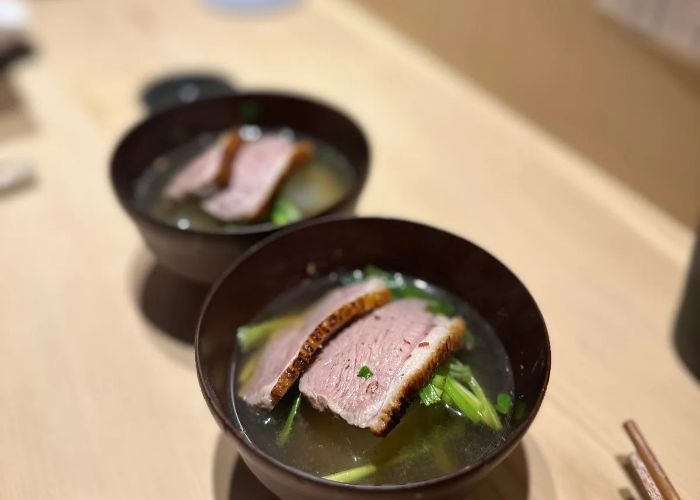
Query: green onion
(463,373)
(284,212)
(251,336)
(464,400)
(459,371)
(411,291)
(438,381)
(429,394)
(352,475)
(402,289)
(440,307)
(503,403)
(249,367)
(283,436)
(365,372)
(519,411)
(471,401)
(447,399)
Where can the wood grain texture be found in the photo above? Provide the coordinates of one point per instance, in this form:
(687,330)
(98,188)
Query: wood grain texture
(612,94)
(96,402)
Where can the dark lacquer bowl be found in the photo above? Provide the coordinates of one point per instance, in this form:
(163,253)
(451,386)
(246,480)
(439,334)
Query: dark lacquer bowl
(203,255)
(455,264)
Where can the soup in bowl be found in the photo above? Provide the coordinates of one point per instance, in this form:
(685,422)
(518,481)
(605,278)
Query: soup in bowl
(354,358)
(205,180)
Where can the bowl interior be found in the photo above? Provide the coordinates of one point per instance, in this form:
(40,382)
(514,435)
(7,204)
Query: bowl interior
(165,131)
(283,261)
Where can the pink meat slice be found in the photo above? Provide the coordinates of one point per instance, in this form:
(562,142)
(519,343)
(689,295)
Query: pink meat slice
(257,172)
(401,343)
(203,169)
(288,354)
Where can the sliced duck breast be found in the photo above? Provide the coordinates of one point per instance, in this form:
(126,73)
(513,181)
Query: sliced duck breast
(258,170)
(372,370)
(288,354)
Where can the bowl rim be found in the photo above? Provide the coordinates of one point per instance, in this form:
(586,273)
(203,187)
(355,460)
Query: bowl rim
(243,230)
(493,457)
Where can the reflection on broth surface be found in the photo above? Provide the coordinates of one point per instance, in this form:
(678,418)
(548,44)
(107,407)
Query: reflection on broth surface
(309,188)
(430,441)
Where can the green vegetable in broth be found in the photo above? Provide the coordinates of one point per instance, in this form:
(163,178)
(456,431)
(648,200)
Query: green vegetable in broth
(352,475)
(252,336)
(365,372)
(249,367)
(503,403)
(519,411)
(464,400)
(430,394)
(402,288)
(445,386)
(464,374)
(283,436)
(284,212)
(490,417)
(440,307)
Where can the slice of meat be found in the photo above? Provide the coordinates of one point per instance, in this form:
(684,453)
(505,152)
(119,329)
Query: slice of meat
(213,165)
(258,171)
(401,343)
(288,354)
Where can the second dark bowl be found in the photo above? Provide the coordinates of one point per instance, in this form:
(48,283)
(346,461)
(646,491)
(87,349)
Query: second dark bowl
(452,263)
(203,255)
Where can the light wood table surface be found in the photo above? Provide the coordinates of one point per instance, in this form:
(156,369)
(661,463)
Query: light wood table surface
(96,401)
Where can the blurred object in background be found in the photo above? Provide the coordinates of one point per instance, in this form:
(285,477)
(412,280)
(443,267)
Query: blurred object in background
(14,18)
(673,23)
(182,88)
(687,328)
(250,5)
(15,174)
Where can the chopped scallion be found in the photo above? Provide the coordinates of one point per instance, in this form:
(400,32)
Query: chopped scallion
(429,394)
(519,411)
(352,475)
(464,374)
(283,436)
(503,403)
(251,336)
(284,212)
(365,372)
(440,307)
(464,400)
(403,289)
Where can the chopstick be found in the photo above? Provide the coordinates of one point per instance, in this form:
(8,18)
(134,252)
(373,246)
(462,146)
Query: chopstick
(651,464)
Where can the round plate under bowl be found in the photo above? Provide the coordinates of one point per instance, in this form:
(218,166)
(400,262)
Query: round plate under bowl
(443,259)
(203,255)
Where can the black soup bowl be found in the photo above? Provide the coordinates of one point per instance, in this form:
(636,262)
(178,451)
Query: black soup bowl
(203,255)
(340,244)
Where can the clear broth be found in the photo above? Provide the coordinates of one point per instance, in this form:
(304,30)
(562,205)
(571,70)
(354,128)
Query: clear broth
(437,439)
(312,187)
